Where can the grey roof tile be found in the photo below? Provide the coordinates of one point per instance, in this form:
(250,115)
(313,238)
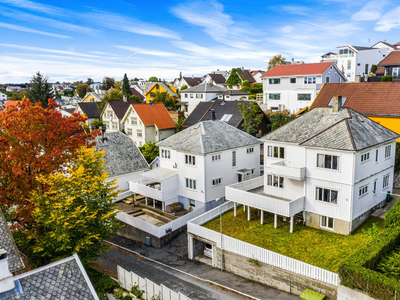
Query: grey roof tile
(205,88)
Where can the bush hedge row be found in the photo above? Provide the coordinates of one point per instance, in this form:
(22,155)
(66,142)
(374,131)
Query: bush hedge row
(392,217)
(357,271)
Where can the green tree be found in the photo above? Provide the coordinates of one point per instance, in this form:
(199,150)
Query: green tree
(112,94)
(126,88)
(245,83)
(98,123)
(40,90)
(108,83)
(233,79)
(75,214)
(276,60)
(178,124)
(165,99)
(82,89)
(17,95)
(279,119)
(89,81)
(184,87)
(150,151)
(252,117)
(180,75)
(153,79)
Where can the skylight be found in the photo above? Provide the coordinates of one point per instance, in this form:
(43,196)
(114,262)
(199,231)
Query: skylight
(226,117)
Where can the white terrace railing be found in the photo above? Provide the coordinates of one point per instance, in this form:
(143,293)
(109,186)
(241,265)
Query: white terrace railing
(251,251)
(154,193)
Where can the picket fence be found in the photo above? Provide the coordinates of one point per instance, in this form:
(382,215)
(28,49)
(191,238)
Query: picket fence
(253,252)
(152,291)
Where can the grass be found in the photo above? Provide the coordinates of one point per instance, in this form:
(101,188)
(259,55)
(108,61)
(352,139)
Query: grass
(317,247)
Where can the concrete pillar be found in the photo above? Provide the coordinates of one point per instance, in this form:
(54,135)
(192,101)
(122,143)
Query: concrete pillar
(134,197)
(190,247)
(248,213)
(262,217)
(244,207)
(154,203)
(163,206)
(275,220)
(234,209)
(145,200)
(291,223)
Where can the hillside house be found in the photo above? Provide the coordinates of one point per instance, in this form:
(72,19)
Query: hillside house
(204,92)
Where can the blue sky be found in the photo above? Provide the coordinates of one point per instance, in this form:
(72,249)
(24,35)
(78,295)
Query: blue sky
(70,40)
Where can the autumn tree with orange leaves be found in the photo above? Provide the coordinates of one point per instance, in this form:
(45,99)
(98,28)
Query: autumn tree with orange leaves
(35,141)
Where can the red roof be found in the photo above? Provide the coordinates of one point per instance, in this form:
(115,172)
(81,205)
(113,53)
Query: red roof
(301,69)
(392,59)
(10,103)
(154,114)
(368,98)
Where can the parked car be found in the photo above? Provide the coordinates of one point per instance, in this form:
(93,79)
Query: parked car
(208,250)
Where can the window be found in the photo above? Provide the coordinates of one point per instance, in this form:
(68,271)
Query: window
(199,95)
(129,131)
(190,160)
(388,149)
(326,195)
(216,157)
(396,72)
(250,150)
(186,95)
(328,161)
(309,80)
(306,97)
(326,222)
(190,183)
(192,202)
(157,87)
(114,125)
(363,190)
(274,96)
(348,75)
(349,65)
(165,153)
(366,69)
(191,95)
(376,155)
(375,185)
(140,144)
(275,81)
(226,117)
(274,151)
(233,158)
(139,133)
(217,181)
(134,121)
(386,181)
(327,79)
(292,80)
(364,157)
(152,95)
(275,181)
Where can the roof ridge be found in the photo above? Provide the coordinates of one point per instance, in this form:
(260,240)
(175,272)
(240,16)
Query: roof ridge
(351,134)
(213,103)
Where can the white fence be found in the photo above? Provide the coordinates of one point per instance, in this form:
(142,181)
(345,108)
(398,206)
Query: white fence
(151,290)
(123,195)
(248,250)
(162,230)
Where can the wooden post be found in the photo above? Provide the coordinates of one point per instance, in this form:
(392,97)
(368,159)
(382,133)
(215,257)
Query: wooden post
(262,217)
(234,209)
(248,213)
(291,223)
(275,220)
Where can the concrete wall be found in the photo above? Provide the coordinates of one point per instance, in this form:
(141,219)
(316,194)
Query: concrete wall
(339,226)
(345,293)
(396,183)
(271,276)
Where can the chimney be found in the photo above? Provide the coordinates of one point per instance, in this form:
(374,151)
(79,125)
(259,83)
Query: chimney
(213,118)
(292,59)
(103,136)
(150,103)
(384,41)
(358,78)
(192,76)
(336,104)
(125,98)
(6,277)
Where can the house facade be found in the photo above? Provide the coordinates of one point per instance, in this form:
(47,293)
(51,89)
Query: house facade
(3,97)
(160,87)
(215,79)
(188,81)
(92,97)
(391,65)
(257,75)
(89,109)
(294,87)
(204,92)
(331,167)
(113,113)
(233,95)
(196,164)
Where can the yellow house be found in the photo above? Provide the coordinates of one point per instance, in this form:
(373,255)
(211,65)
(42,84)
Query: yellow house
(379,101)
(151,89)
(92,97)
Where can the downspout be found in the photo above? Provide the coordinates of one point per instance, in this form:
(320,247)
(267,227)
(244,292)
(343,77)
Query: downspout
(305,189)
(352,192)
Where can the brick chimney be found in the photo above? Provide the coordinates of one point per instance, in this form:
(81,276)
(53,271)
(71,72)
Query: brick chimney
(6,277)
(336,104)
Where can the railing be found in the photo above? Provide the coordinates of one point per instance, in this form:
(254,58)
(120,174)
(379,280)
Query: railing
(136,187)
(248,250)
(122,195)
(281,168)
(151,290)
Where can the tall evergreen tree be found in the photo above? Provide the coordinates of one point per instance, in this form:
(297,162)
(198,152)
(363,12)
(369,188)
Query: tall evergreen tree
(40,90)
(126,89)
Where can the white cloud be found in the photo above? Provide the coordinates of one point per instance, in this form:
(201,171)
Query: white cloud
(389,20)
(46,50)
(30,30)
(296,10)
(370,12)
(34,6)
(157,53)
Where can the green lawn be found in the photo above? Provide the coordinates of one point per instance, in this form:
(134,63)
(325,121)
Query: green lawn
(320,248)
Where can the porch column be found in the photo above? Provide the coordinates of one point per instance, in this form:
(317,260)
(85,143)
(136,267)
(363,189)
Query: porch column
(190,247)
(163,206)
(291,223)
(244,207)
(262,217)
(275,220)
(145,200)
(154,203)
(248,213)
(134,197)
(234,209)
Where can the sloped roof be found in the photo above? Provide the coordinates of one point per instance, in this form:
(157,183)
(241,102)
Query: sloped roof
(148,88)
(120,106)
(90,109)
(7,243)
(361,48)
(368,98)
(122,155)
(218,78)
(300,69)
(245,75)
(392,59)
(345,130)
(10,103)
(381,71)
(192,81)
(205,88)
(136,93)
(198,113)
(209,137)
(234,93)
(154,114)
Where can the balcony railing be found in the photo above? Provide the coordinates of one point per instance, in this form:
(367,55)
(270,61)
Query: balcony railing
(283,169)
(152,192)
(251,193)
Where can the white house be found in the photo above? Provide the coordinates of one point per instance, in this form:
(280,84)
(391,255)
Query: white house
(215,79)
(114,112)
(148,122)
(294,87)
(3,97)
(356,60)
(196,164)
(332,166)
(233,95)
(13,88)
(189,82)
(257,75)
(204,92)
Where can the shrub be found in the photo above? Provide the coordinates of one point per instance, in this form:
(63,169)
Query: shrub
(102,283)
(119,293)
(137,291)
(184,87)
(390,265)
(386,78)
(392,217)
(127,298)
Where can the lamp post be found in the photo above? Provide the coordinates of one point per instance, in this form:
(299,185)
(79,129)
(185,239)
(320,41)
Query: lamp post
(220,227)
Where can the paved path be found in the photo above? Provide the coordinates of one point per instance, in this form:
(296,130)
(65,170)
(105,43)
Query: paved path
(174,255)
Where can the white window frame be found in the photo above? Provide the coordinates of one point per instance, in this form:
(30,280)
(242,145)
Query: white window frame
(134,121)
(310,80)
(326,222)
(322,194)
(374,191)
(275,96)
(295,80)
(250,150)
(190,160)
(324,159)
(279,151)
(192,202)
(386,182)
(216,181)
(363,190)
(280,181)
(215,157)
(365,157)
(274,81)
(139,133)
(129,131)
(376,155)
(191,184)
(388,151)
(165,153)
(234,163)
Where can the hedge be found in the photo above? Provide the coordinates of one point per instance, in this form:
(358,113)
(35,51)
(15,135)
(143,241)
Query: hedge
(357,271)
(386,78)
(392,217)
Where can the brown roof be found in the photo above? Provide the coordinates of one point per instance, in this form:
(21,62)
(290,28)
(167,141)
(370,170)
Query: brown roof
(154,114)
(192,81)
(301,69)
(120,106)
(392,59)
(368,98)
(136,93)
(381,71)
(218,78)
(245,75)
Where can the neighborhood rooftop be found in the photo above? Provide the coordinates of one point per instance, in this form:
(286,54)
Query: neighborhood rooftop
(300,69)
(209,137)
(90,109)
(392,59)
(120,106)
(345,130)
(154,114)
(205,88)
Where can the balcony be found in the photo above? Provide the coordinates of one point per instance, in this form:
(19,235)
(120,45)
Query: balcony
(159,184)
(251,193)
(287,170)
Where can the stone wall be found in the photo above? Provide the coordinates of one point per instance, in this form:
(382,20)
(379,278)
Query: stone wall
(345,293)
(396,183)
(271,276)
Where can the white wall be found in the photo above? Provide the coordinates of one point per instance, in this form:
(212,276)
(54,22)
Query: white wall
(123,180)
(192,102)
